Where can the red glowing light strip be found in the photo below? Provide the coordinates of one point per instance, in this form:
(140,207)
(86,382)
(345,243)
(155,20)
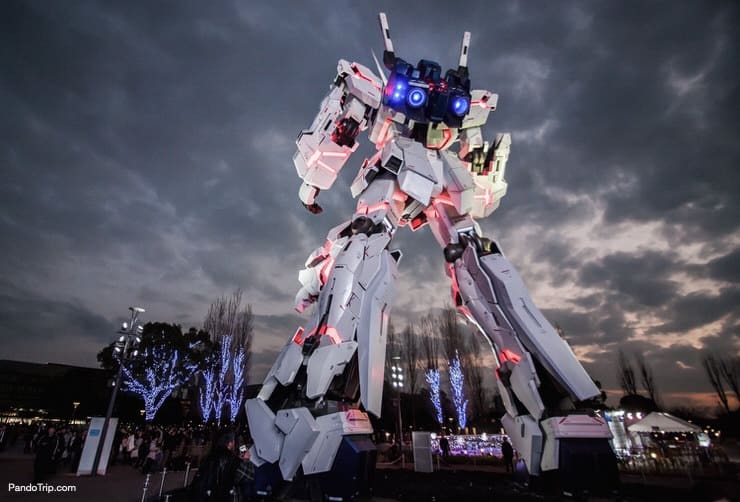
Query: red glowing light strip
(375,207)
(331,333)
(487,196)
(399,197)
(507,355)
(383,135)
(359,74)
(326,270)
(314,158)
(297,337)
(327,167)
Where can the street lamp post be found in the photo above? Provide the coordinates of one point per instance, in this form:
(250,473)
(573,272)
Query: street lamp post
(75,404)
(125,347)
(397,382)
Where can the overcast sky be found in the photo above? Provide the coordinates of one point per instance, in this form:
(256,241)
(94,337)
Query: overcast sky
(145,152)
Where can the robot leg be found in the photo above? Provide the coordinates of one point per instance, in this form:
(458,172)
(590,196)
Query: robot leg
(538,377)
(311,410)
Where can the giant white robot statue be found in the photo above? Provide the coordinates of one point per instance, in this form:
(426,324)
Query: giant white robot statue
(330,374)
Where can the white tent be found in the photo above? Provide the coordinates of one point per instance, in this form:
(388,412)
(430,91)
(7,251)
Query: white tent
(662,422)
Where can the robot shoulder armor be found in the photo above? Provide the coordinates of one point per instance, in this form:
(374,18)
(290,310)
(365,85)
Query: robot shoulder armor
(481,104)
(361,82)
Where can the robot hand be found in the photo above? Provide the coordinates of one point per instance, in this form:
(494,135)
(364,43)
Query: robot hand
(308,194)
(313,208)
(479,158)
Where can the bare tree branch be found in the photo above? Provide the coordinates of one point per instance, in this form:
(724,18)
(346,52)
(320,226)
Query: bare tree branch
(648,379)
(429,342)
(714,373)
(626,375)
(730,371)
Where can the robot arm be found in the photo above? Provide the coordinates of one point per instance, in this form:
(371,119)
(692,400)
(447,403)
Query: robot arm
(351,104)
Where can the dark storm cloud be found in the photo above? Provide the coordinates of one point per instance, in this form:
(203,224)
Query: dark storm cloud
(726,268)
(146,157)
(697,309)
(635,280)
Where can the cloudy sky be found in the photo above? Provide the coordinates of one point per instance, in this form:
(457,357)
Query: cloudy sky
(145,152)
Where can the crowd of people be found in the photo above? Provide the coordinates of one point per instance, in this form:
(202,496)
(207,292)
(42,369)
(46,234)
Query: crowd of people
(221,456)
(55,448)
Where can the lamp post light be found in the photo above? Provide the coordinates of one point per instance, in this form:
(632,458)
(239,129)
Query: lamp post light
(126,347)
(75,404)
(397,382)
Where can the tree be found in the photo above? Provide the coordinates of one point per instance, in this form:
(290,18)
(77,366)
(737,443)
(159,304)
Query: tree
(458,393)
(647,379)
(730,370)
(432,378)
(429,342)
(626,375)
(227,317)
(430,348)
(473,372)
(207,392)
(168,359)
(450,333)
(712,367)
(410,356)
(231,328)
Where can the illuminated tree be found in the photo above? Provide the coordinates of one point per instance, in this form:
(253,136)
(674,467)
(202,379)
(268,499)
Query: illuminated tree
(458,394)
(221,387)
(169,358)
(236,390)
(208,378)
(432,377)
(166,373)
(231,329)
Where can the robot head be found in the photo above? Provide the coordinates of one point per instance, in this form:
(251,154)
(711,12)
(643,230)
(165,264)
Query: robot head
(421,92)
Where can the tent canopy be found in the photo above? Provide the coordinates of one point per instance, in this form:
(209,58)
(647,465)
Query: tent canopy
(662,422)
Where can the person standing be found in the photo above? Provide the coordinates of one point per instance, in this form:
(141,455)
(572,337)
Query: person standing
(244,478)
(508,452)
(444,445)
(217,473)
(48,451)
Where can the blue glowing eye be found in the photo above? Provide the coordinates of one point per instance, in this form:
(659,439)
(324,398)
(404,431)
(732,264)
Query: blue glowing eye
(460,106)
(416,98)
(396,91)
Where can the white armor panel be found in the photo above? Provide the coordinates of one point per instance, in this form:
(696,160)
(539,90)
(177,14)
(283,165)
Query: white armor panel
(481,104)
(458,182)
(283,370)
(526,438)
(362,82)
(571,426)
(332,427)
(378,202)
(268,441)
(469,140)
(524,383)
(288,363)
(420,174)
(536,333)
(326,363)
(301,430)
(318,159)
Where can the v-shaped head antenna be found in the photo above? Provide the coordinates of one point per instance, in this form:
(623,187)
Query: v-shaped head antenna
(389,58)
(381,73)
(463,64)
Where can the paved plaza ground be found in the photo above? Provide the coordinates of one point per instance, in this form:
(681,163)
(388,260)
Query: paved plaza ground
(451,483)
